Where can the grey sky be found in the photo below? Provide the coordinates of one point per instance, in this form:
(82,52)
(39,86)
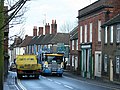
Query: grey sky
(60,10)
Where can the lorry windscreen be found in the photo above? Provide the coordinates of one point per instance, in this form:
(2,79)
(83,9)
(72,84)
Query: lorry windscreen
(57,59)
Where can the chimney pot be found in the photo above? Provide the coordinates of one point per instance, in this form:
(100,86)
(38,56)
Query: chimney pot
(52,21)
(35,31)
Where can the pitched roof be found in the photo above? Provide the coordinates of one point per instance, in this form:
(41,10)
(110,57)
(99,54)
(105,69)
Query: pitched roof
(74,33)
(17,42)
(60,38)
(39,40)
(112,21)
(46,39)
(33,40)
(26,41)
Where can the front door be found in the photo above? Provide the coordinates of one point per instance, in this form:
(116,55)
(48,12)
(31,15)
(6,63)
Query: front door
(111,70)
(98,63)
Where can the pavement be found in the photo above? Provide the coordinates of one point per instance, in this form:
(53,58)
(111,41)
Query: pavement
(10,84)
(100,82)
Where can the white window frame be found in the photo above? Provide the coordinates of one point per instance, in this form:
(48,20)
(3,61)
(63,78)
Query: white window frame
(90,32)
(81,28)
(106,29)
(77,44)
(85,34)
(99,30)
(111,34)
(73,44)
(118,33)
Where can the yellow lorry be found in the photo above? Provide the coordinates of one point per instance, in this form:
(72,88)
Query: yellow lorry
(28,65)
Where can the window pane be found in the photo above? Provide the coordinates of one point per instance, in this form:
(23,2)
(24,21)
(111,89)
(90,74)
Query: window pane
(105,34)
(105,63)
(85,33)
(117,64)
(111,34)
(99,30)
(72,44)
(90,32)
(80,34)
(118,33)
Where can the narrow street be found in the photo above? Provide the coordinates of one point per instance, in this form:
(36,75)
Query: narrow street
(60,83)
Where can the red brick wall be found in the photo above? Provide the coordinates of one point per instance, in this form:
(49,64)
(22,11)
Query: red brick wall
(94,17)
(94,21)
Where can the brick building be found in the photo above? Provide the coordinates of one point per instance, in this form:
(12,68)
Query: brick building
(74,50)
(89,34)
(111,49)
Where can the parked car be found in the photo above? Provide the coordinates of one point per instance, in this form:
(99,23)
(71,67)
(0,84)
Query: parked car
(12,66)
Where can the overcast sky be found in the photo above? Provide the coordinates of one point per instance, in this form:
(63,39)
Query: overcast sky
(60,10)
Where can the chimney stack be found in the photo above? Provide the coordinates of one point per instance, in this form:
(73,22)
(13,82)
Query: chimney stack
(35,31)
(47,29)
(53,27)
(40,31)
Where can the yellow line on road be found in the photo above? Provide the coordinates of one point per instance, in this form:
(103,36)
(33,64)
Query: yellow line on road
(19,83)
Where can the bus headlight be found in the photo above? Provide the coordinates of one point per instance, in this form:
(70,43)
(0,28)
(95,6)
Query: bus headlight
(45,65)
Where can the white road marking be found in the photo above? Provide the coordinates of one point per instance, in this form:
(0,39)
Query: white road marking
(43,77)
(68,86)
(19,83)
(50,79)
(57,83)
(17,87)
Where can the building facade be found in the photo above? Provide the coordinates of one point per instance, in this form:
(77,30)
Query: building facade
(111,49)
(89,35)
(74,63)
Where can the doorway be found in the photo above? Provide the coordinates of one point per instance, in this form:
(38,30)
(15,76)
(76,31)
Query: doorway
(111,70)
(98,63)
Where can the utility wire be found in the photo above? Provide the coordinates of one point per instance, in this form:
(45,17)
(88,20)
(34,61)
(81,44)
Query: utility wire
(21,3)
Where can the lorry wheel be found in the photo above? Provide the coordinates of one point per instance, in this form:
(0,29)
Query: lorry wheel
(19,76)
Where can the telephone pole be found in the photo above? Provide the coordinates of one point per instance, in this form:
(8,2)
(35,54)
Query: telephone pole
(1,44)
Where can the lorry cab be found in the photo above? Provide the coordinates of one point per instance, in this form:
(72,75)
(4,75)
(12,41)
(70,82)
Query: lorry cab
(53,64)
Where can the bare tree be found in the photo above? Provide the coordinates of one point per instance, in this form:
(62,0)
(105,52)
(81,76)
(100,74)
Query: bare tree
(68,26)
(16,11)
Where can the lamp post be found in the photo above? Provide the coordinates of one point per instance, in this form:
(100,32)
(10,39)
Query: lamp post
(1,44)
